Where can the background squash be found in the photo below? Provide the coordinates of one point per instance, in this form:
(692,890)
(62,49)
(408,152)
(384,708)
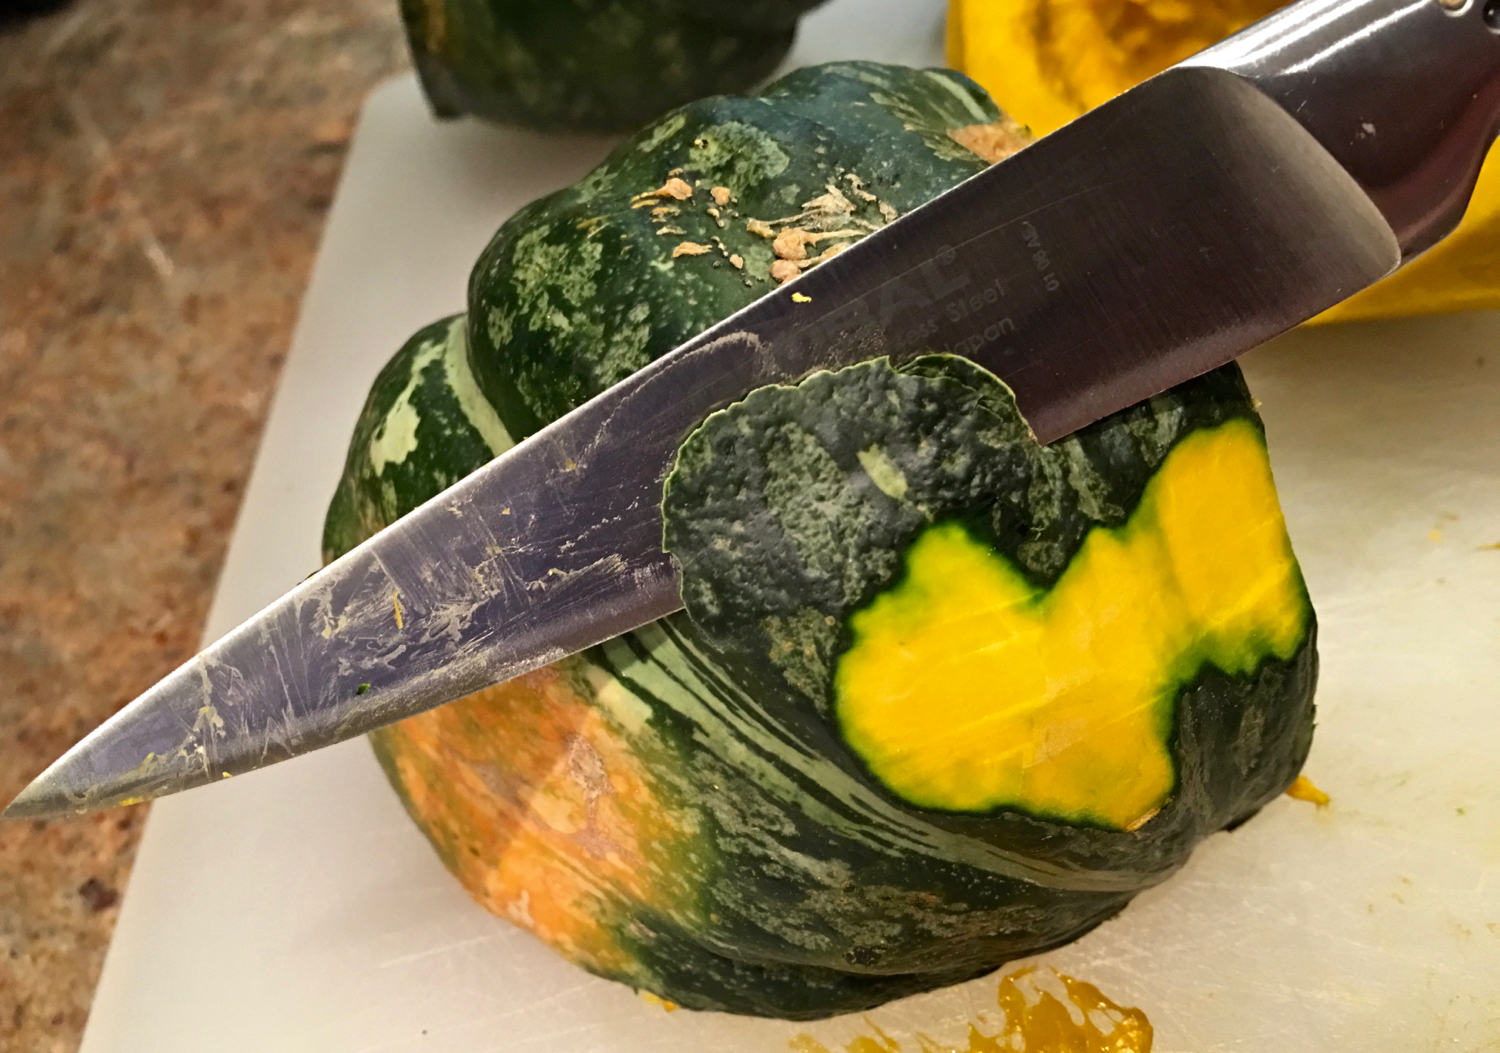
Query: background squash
(940,698)
(595,64)
(1051,60)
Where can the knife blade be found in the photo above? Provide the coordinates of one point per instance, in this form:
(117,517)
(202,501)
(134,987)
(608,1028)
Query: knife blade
(1159,236)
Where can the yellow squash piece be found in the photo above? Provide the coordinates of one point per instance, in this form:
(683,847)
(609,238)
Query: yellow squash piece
(1048,61)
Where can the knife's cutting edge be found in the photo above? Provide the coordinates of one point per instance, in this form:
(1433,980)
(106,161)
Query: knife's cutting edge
(174,736)
(1225,223)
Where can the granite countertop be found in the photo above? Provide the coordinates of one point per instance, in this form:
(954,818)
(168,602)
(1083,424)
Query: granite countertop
(165,170)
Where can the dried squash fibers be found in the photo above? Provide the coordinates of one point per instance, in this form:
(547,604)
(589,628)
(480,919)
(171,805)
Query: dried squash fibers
(1051,60)
(940,697)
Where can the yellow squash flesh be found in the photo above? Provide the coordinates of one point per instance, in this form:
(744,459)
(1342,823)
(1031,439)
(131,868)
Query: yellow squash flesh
(1048,61)
(969,688)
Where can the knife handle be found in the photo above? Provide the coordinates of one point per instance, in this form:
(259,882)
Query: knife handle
(1405,94)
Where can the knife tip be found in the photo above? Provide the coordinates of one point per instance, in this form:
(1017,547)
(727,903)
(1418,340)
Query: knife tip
(43,798)
(104,769)
(69,786)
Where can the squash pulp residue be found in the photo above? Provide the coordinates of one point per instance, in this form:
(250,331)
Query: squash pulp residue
(969,688)
(1304,790)
(1045,1012)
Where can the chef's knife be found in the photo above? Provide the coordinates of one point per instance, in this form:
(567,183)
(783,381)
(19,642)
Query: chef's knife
(1159,236)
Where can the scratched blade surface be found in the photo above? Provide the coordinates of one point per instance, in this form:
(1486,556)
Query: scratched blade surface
(1153,239)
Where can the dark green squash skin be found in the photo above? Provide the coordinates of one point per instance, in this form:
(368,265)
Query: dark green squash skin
(608,65)
(816,890)
(579,289)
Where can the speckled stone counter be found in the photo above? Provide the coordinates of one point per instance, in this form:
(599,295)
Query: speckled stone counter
(165,169)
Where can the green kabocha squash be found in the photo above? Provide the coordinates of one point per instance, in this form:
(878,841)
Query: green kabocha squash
(602,64)
(940,697)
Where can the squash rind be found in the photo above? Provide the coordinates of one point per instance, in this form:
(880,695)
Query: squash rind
(587,285)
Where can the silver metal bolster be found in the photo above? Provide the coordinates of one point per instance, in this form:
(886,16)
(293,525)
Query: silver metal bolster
(1430,70)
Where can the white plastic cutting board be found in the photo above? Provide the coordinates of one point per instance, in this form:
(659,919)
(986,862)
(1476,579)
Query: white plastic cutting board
(297,909)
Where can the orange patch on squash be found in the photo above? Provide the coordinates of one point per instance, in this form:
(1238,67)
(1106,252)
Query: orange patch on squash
(539,806)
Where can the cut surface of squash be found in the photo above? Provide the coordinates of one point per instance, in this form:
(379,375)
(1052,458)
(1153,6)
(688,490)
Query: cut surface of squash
(968,687)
